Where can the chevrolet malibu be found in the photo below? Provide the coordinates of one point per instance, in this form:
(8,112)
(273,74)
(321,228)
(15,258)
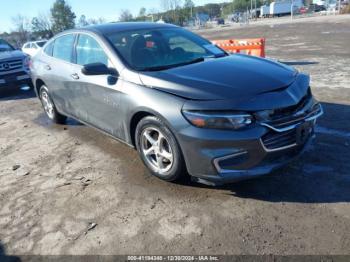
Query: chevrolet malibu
(186,105)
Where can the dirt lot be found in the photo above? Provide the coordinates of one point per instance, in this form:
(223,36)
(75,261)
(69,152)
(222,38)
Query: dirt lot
(77,191)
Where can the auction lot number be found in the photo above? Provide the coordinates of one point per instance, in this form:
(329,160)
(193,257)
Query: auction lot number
(172,258)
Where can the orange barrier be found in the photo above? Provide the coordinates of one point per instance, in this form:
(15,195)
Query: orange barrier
(255,47)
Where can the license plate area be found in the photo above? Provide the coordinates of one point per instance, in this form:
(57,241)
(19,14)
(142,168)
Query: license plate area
(303,132)
(9,79)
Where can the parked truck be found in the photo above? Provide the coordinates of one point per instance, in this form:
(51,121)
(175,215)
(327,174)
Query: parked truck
(284,7)
(265,11)
(280,8)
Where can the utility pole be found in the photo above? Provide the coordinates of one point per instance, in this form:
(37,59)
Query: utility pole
(251,7)
(255,16)
(291,10)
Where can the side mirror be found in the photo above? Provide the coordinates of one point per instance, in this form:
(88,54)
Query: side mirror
(98,69)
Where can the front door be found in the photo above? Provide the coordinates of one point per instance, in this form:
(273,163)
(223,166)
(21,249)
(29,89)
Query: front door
(98,95)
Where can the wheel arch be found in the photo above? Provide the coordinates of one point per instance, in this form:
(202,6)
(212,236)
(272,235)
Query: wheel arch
(140,114)
(38,83)
(135,119)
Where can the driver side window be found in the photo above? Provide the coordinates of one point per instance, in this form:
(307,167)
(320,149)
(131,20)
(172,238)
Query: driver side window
(89,51)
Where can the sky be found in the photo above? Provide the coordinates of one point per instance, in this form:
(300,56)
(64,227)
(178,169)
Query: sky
(109,9)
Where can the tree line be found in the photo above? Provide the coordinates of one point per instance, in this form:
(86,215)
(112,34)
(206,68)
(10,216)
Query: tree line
(179,12)
(61,17)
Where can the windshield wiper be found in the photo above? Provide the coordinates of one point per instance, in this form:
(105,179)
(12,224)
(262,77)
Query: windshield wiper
(216,56)
(164,67)
(220,55)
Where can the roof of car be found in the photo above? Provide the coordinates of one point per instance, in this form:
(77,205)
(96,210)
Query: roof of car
(125,26)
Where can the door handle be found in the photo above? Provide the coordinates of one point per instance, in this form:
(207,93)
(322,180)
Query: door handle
(75,76)
(47,67)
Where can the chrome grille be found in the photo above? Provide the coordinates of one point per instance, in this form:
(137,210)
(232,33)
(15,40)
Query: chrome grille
(296,118)
(277,140)
(11,65)
(286,112)
(287,118)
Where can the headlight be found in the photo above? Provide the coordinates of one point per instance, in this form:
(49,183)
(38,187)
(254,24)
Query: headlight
(218,120)
(27,62)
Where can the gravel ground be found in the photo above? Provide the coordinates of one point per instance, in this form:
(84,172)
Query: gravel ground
(71,190)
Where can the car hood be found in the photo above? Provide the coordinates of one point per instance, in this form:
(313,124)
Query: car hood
(10,55)
(222,78)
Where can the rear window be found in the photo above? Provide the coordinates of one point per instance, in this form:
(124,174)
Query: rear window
(41,44)
(49,48)
(63,47)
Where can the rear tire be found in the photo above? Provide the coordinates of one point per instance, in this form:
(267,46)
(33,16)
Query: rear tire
(159,150)
(49,106)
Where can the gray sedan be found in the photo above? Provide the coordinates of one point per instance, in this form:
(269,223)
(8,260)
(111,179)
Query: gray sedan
(186,105)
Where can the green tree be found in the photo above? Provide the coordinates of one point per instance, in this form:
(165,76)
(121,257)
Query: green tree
(41,26)
(213,10)
(142,12)
(63,17)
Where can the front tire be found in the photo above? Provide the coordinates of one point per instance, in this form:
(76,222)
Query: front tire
(49,107)
(159,149)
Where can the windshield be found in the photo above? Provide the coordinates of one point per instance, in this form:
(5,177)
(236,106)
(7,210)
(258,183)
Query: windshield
(159,49)
(4,46)
(41,43)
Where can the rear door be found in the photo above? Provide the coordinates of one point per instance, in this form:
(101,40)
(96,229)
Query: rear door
(61,69)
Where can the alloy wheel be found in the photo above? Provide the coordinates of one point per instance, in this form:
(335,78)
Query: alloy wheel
(156,150)
(47,104)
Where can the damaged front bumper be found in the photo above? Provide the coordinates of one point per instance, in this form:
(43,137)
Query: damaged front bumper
(216,157)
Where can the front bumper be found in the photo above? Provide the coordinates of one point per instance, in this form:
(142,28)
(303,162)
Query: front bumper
(15,79)
(219,156)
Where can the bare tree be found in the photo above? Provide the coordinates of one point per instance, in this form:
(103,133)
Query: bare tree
(82,21)
(101,20)
(153,11)
(142,12)
(125,15)
(22,28)
(94,21)
(167,5)
(171,5)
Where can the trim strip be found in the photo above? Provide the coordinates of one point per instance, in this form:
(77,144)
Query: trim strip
(278,148)
(307,119)
(217,160)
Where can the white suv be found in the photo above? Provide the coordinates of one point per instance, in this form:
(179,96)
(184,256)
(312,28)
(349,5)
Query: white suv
(31,48)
